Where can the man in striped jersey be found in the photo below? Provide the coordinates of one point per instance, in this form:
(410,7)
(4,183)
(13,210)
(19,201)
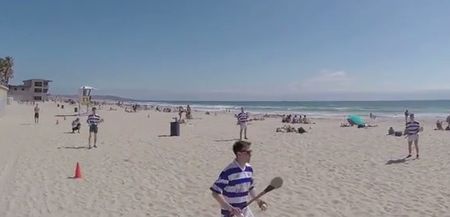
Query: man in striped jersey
(412,133)
(93,121)
(235,184)
(242,121)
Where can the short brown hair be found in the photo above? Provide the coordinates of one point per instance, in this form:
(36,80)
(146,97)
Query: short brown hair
(239,145)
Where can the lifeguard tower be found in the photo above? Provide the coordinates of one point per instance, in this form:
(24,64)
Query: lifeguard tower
(85,96)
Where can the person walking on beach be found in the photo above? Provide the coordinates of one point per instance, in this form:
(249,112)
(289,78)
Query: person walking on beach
(412,134)
(235,184)
(93,121)
(180,113)
(242,121)
(406,116)
(188,112)
(448,121)
(36,114)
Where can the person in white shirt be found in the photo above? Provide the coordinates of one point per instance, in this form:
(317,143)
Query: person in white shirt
(235,184)
(93,120)
(412,133)
(242,121)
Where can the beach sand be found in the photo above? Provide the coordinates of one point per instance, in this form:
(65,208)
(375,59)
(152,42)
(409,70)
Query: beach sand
(138,170)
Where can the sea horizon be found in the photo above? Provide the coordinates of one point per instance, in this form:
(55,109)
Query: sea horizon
(380,108)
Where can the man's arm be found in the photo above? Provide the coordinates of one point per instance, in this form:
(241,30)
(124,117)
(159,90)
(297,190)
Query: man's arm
(262,204)
(253,194)
(225,205)
(221,200)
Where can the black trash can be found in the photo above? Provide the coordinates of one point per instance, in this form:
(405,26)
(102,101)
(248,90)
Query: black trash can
(175,128)
(75,109)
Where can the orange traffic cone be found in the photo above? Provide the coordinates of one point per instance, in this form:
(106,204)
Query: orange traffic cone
(77,172)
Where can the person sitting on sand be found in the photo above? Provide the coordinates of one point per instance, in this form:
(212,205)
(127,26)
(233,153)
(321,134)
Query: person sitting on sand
(290,129)
(296,119)
(439,125)
(345,125)
(391,131)
(288,118)
(280,130)
(306,120)
(367,125)
(76,125)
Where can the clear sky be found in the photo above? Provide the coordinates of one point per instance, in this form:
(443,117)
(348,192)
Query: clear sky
(233,49)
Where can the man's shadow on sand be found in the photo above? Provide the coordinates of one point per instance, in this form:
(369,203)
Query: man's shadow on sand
(225,140)
(401,160)
(73,147)
(73,133)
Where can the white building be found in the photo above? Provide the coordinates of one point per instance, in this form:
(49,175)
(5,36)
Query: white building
(31,90)
(3,98)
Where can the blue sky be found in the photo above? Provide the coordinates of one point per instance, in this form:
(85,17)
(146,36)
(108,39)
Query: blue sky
(234,49)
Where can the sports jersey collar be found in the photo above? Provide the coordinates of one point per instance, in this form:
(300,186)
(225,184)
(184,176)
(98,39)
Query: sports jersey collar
(237,164)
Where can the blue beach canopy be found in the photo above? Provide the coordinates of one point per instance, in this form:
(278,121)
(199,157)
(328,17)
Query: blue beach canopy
(355,120)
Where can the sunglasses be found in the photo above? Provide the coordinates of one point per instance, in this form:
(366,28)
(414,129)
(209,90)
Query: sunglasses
(247,151)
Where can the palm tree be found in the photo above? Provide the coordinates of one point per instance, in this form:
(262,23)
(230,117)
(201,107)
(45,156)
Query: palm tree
(6,69)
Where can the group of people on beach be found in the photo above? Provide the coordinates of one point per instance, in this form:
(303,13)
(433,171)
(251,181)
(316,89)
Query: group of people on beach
(93,120)
(440,126)
(295,119)
(188,114)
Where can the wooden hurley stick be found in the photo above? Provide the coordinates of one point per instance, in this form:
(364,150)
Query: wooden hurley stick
(276,182)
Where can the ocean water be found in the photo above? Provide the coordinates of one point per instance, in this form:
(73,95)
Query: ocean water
(429,108)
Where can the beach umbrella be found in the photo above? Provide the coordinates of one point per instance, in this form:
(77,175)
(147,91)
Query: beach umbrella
(355,120)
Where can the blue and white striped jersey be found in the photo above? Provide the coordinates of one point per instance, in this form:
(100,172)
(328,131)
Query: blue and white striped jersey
(242,117)
(412,128)
(93,119)
(234,183)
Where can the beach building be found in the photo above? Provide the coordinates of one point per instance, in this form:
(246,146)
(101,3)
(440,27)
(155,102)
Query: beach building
(30,90)
(3,98)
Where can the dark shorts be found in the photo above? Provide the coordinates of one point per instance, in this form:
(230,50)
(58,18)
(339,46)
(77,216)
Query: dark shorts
(93,129)
(76,127)
(36,115)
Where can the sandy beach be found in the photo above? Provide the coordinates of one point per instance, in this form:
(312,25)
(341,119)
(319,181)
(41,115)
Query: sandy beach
(138,170)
